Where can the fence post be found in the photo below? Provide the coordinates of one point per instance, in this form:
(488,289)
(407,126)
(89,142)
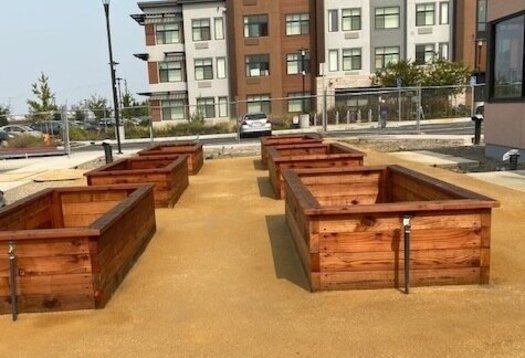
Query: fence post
(399,104)
(325,112)
(419,108)
(67,144)
(359,116)
(347,117)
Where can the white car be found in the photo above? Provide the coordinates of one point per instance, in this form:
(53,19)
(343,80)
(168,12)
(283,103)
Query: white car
(255,123)
(13,130)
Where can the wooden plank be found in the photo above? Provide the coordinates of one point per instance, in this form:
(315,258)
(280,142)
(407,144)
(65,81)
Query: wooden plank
(382,261)
(81,284)
(437,239)
(49,265)
(48,303)
(47,247)
(485,247)
(390,279)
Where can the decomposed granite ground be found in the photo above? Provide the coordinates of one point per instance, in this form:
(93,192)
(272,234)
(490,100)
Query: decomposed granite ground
(221,279)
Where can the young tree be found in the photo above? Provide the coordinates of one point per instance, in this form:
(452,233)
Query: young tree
(446,73)
(132,108)
(4,112)
(43,106)
(99,106)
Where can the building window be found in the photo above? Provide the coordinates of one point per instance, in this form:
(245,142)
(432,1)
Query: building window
(481,18)
(333,60)
(206,107)
(387,17)
(167,33)
(508,71)
(296,101)
(223,106)
(170,71)
(256,26)
(259,103)
(294,63)
(333,20)
(201,30)
(425,14)
(172,110)
(424,54)
(297,24)
(219,28)
(351,59)
(386,55)
(221,67)
(203,69)
(351,19)
(443,50)
(444,13)
(257,65)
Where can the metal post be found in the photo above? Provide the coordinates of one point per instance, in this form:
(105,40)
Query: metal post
(65,122)
(325,112)
(419,108)
(399,104)
(12,280)
(112,65)
(303,72)
(406,241)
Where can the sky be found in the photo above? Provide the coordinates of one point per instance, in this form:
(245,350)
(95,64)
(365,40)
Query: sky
(66,39)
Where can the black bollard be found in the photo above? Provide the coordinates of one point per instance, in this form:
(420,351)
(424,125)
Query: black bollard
(477,128)
(513,161)
(108,152)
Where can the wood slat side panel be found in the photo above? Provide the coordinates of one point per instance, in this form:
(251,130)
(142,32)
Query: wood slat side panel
(84,214)
(47,247)
(49,265)
(194,152)
(48,303)
(437,239)
(34,214)
(115,252)
(347,200)
(87,197)
(74,284)
(384,261)
(389,279)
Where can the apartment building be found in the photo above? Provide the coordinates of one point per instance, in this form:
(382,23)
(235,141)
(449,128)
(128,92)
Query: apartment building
(272,54)
(505,110)
(186,59)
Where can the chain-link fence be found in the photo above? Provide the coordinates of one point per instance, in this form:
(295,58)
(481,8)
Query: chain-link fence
(329,111)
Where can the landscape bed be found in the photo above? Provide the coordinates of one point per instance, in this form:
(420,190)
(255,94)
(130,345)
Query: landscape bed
(348,227)
(311,155)
(73,246)
(169,173)
(289,139)
(193,150)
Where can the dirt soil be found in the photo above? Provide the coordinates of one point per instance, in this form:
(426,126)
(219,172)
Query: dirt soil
(221,279)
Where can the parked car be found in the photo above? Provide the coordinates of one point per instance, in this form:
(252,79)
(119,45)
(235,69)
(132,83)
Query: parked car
(16,129)
(106,122)
(49,127)
(4,137)
(255,123)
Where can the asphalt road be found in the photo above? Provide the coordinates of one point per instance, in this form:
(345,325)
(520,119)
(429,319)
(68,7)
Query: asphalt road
(463,128)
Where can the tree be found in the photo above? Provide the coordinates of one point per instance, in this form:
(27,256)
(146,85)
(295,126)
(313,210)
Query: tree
(4,112)
(42,108)
(445,73)
(132,108)
(408,72)
(99,106)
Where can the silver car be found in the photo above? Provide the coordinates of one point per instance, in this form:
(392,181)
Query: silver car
(255,123)
(14,130)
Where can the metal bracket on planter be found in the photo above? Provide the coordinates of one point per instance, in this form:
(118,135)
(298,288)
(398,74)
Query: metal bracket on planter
(406,240)
(12,279)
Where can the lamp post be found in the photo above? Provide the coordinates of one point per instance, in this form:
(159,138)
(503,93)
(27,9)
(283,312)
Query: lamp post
(112,65)
(303,73)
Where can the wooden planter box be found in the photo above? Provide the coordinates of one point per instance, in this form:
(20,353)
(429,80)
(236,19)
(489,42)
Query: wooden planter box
(193,150)
(347,225)
(73,246)
(316,155)
(169,173)
(290,139)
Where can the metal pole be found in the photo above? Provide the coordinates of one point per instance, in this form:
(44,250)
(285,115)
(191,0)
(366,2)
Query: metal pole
(399,104)
(419,109)
(303,71)
(325,112)
(406,241)
(112,65)
(12,279)
(67,144)
(119,93)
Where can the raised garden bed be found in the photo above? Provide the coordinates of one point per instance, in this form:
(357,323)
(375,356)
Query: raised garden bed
(348,228)
(73,246)
(169,173)
(193,150)
(289,139)
(313,155)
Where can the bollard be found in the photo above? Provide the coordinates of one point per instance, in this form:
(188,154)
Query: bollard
(108,152)
(513,161)
(478,119)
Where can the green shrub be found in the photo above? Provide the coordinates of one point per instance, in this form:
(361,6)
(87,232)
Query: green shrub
(25,141)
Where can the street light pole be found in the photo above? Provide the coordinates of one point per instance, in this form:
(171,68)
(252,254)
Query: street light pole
(112,65)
